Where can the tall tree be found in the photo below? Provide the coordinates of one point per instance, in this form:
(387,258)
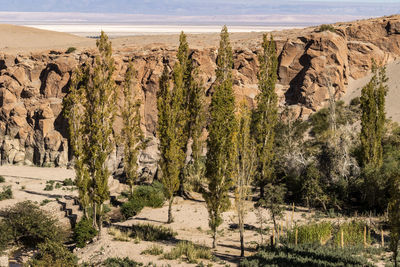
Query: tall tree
(221,140)
(265,115)
(394,217)
(170,132)
(246,163)
(373,117)
(132,133)
(91,120)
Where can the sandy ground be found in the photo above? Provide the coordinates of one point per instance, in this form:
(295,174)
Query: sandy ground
(393,95)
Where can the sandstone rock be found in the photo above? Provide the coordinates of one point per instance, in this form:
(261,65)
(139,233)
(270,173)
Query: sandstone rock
(19,158)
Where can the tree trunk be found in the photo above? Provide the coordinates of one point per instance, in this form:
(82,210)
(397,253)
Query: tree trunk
(395,257)
(261,191)
(100,223)
(214,244)
(241,231)
(170,219)
(95,215)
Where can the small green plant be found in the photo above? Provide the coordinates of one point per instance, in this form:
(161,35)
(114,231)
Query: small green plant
(58,185)
(120,235)
(153,250)
(326,27)
(49,186)
(318,233)
(191,252)
(119,262)
(131,208)
(44,202)
(2,179)
(148,232)
(84,232)
(68,182)
(6,193)
(70,50)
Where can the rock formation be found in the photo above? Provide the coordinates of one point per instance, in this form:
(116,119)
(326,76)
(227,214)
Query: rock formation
(32,86)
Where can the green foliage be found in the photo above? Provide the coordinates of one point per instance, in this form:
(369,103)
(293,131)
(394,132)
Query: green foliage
(119,262)
(84,232)
(150,195)
(265,115)
(326,27)
(312,187)
(353,234)
(49,186)
(53,254)
(149,232)
(68,182)
(132,134)
(315,233)
(6,193)
(44,202)
(26,224)
(191,252)
(273,201)
(2,179)
(154,250)
(70,50)
(222,130)
(373,117)
(132,207)
(304,256)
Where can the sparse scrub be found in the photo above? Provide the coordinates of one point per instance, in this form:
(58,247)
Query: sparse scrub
(120,235)
(68,182)
(2,179)
(6,193)
(150,232)
(44,202)
(49,186)
(52,254)
(70,50)
(191,252)
(121,262)
(326,27)
(154,250)
(84,232)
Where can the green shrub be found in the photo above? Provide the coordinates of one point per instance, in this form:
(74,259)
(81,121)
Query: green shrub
(118,262)
(53,254)
(326,27)
(312,233)
(68,182)
(131,208)
(353,234)
(151,195)
(49,186)
(6,193)
(70,50)
(154,250)
(2,179)
(84,232)
(191,252)
(28,225)
(150,232)
(304,256)
(44,202)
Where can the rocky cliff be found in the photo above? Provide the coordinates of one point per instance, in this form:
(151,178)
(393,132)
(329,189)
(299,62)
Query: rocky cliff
(32,86)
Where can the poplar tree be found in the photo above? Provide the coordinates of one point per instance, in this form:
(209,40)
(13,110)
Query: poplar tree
(221,148)
(394,217)
(265,115)
(246,163)
(170,129)
(132,133)
(373,117)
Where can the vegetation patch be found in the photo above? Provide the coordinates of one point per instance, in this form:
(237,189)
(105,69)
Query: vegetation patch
(318,233)
(154,250)
(189,252)
(70,50)
(49,186)
(84,232)
(2,179)
(119,235)
(6,193)
(52,254)
(148,232)
(353,234)
(121,262)
(326,27)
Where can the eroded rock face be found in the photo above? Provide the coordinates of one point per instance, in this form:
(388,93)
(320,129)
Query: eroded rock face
(32,87)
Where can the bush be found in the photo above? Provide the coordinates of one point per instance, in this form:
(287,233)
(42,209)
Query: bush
(190,251)
(84,232)
(151,195)
(25,223)
(353,234)
(148,232)
(70,50)
(2,179)
(118,262)
(327,27)
(154,250)
(53,254)
(68,182)
(131,208)
(119,235)
(304,256)
(313,233)
(6,193)
(49,186)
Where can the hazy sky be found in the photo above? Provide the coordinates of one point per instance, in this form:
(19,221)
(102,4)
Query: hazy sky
(208,7)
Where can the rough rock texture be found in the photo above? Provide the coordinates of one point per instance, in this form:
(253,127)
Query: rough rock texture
(32,87)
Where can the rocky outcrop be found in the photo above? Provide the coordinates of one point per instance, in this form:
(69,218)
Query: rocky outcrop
(33,129)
